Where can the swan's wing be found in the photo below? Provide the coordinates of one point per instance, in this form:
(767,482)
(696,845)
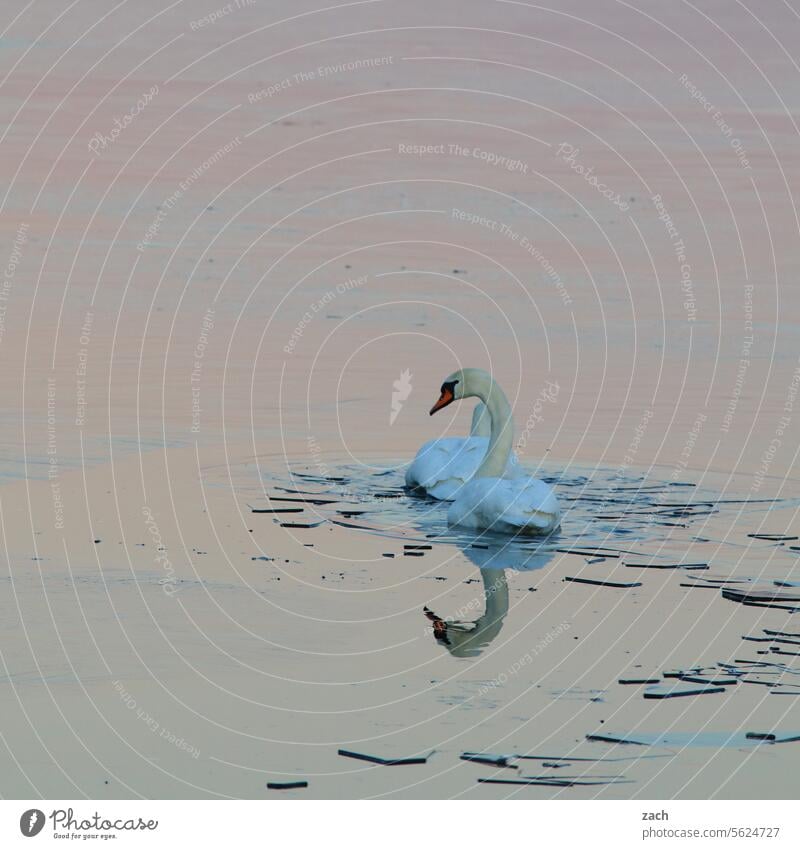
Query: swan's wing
(532,496)
(443,466)
(432,454)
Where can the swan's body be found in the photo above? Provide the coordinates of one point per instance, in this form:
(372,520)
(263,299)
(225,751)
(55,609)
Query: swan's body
(490,500)
(520,506)
(443,466)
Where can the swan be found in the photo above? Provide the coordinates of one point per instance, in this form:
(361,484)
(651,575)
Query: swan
(491,500)
(443,466)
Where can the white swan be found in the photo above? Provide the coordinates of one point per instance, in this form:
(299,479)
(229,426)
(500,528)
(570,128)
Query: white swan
(443,466)
(491,501)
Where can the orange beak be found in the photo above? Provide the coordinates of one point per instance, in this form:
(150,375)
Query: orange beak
(445,398)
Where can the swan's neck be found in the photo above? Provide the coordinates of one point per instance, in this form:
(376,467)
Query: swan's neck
(501,438)
(481,425)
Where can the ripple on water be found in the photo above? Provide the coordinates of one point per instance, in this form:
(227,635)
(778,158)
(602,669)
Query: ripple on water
(663,522)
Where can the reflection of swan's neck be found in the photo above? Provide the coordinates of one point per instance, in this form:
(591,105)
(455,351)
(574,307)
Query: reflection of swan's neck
(488,626)
(502,428)
(495,591)
(468,639)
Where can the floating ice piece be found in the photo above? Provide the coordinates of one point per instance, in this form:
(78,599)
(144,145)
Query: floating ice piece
(766,596)
(683,739)
(375,759)
(715,680)
(795,634)
(773,537)
(600,583)
(673,691)
(302,524)
(314,501)
(559,781)
(622,739)
(687,566)
(490,760)
(587,552)
(688,670)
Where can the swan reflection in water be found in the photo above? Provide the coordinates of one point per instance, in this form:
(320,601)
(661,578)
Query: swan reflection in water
(469,637)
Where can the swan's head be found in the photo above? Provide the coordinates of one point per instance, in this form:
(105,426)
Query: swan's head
(464,383)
